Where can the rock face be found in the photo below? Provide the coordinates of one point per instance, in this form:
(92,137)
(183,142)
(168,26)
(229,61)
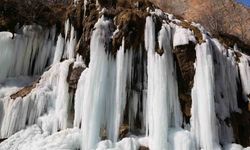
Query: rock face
(13,13)
(130,23)
(185,55)
(84,21)
(107,3)
(73,76)
(24,91)
(240,124)
(143,148)
(241,121)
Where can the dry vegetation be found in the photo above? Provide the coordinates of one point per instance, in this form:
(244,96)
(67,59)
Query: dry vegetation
(42,12)
(218,16)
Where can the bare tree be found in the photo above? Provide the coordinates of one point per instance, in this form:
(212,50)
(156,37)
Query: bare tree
(241,22)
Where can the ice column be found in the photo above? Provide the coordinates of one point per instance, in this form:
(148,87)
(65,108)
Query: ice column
(98,99)
(225,76)
(163,108)
(6,54)
(103,107)
(62,100)
(203,121)
(27,53)
(244,68)
(79,97)
(123,76)
(70,41)
(59,49)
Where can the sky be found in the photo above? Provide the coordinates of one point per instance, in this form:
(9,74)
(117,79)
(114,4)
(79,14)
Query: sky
(246,2)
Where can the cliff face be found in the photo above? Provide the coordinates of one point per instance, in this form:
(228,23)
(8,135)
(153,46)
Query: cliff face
(125,76)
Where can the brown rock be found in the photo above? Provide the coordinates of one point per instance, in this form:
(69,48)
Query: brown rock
(240,124)
(13,12)
(248,106)
(185,57)
(1,140)
(24,91)
(123,132)
(74,76)
(92,15)
(230,40)
(143,148)
(237,56)
(107,3)
(131,24)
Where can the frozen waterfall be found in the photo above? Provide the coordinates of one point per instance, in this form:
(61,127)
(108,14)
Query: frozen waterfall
(163,108)
(124,99)
(203,121)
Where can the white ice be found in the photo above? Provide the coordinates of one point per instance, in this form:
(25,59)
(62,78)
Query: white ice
(182,36)
(203,121)
(163,108)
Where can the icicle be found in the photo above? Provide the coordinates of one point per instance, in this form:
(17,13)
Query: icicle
(78,98)
(244,68)
(72,43)
(123,68)
(45,53)
(203,120)
(28,53)
(79,62)
(41,100)
(107,104)
(162,88)
(66,30)
(226,78)
(6,54)
(62,100)
(84,6)
(59,49)
(97,96)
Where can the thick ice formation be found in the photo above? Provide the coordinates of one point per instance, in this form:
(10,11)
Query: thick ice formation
(107,104)
(62,99)
(45,99)
(163,108)
(59,49)
(20,54)
(80,91)
(182,36)
(34,138)
(245,76)
(203,121)
(101,74)
(180,139)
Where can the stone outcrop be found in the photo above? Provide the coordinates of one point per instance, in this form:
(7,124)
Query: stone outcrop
(185,58)
(25,91)
(143,148)
(73,76)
